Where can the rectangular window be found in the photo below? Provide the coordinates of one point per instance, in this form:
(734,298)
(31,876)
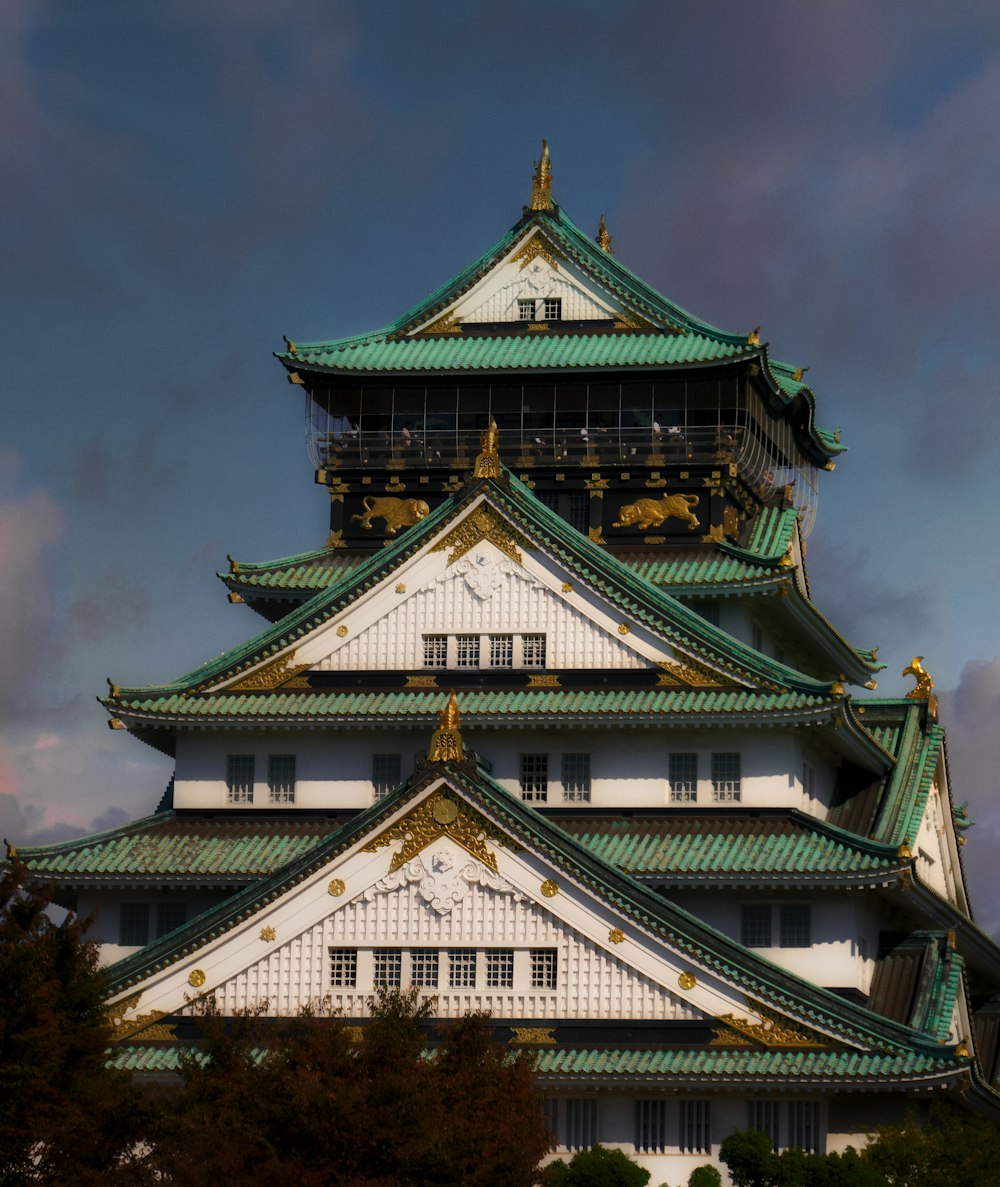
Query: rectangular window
(550,1106)
(467,651)
(534,778)
(651,1126)
(803,1125)
(424,967)
(239,778)
(435,651)
(762,1115)
(281,778)
(552,308)
(683,778)
(727,778)
(501,651)
(343,967)
(580,1124)
(576,778)
(795,925)
(169,917)
(543,968)
(462,968)
(500,968)
(755,925)
(578,511)
(526,309)
(387,964)
(694,1133)
(533,651)
(133,924)
(386,773)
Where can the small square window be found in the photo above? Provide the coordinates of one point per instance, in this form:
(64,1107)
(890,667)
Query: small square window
(535,778)
(727,778)
(578,511)
(467,651)
(533,651)
(435,651)
(695,1137)
(576,778)
(651,1126)
(386,773)
(552,308)
(543,968)
(133,924)
(281,778)
(795,925)
(387,967)
(755,925)
(501,651)
(344,967)
(169,917)
(683,775)
(526,309)
(462,968)
(424,967)
(500,968)
(239,778)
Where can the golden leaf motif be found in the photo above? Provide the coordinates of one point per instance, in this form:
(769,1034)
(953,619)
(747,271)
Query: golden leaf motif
(430,820)
(534,1036)
(270,675)
(336,887)
(196,978)
(550,887)
(267,934)
(773,1030)
(482,524)
(616,935)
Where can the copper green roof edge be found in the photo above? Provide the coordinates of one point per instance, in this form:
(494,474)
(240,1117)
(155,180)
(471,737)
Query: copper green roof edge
(866,656)
(29,853)
(905,796)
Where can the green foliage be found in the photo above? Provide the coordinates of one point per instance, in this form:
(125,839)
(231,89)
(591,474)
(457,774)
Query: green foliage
(705,1176)
(752,1162)
(953,1147)
(596,1167)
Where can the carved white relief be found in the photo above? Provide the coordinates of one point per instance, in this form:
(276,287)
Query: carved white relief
(485,575)
(443,879)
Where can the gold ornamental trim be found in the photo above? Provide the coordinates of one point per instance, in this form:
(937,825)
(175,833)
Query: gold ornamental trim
(674,674)
(541,181)
(267,934)
(924,690)
(421,682)
(616,935)
(116,1012)
(537,246)
(487,463)
(449,323)
(687,980)
(550,888)
(270,675)
(772,1030)
(446,745)
(196,978)
(336,887)
(440,816)
(543,680)
(482,524)
(532,1036)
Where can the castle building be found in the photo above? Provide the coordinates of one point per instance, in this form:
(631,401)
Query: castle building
(552,726)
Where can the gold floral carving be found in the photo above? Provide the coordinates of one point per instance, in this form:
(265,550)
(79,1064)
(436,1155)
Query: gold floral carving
(772,1030)
(421,682)
(716,534)
(616,935)
(148,1027)
(689,674)
(447,324)
(543,680)
(270,675)
(336,888)
(567,587)
(196,978)
(533,1036)
(267,934)
(335,540)
(400,587)
(429,821)
(116,1012)
(482,524)
(537,246)
(550,888)
(687,980)
(624,628)
(597,535)
(342,630)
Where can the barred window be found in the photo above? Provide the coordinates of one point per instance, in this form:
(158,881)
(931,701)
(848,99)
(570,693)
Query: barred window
(462,968)
(755,925)
(578,511)
(552,307)
(726,778)
(169,917)
(795,925)
(651,1126)
(694,1135)
(535,778)
(762,1115)
(386,773)
(133,924)
(424,967)
(343,967)
(533,651)
(803,1125)
(683,777)
(543,968)
(388,967)
(501,651)
(550,1107)
(526,309)
(576,778)
(435,651)
(239,778)
(467,651)
(579,1130)
(281,778)
(500,968)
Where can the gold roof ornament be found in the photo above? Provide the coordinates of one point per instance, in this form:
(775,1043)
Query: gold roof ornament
(904,852)
(753,338)
(446,741)
(488,461)
(799,373)
(603,238)
(541,181)
(925,685)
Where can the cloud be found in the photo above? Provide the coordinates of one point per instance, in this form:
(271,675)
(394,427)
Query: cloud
(112,607)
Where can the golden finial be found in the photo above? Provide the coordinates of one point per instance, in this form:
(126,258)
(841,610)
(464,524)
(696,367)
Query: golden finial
(962,1049)
(234,566)
(112,689)
(837,687)
(446,741)
(799,374)
(603,238)
(753,338)
(925,685)
(541,181)
(488,461)
(292,348)
(11,850)
(904,853)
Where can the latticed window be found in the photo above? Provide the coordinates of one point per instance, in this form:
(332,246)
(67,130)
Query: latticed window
(501,651)
(579,1130)
(500,968)
(534,778)
(435,651)
(762,1115)
(578,511)
(683,776)
(651,1126)
(552,307)
(386,773)
(544,963)
(387,967)
(576,778)
(462,968)
(424,967)
(795,925)
(755,925)
(550,1107)
(526,309)
(239,778)
(694,1136)
(169,917)
(533,651)
(281,778)
(727,777)
(803,1125)
(467,651)
(133,924)
(344,967)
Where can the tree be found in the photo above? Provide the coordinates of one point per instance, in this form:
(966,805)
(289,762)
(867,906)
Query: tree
(954,1146)
(705,1176)
(752,1162)
(64,1116)
(596,1167)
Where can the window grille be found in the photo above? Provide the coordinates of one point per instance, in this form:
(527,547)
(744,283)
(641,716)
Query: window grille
(550,1106)
(576,778)
(533,651)
(501,651)
(169,917)
(755,925)
(343,967)
(552,307)
(795,925)
(467,651)
(462,968)
(727,779)
(651,1126)
(526,309)
(694,1132)
(386,773)
(544,962)
(683,776)
(239,778)
(424,967)
(578,512)
(388,967)
(281,778)
(534,778)
(133,924)
(500,968)
(803,1125)
(580,1124)
(435,651)
(762,1115)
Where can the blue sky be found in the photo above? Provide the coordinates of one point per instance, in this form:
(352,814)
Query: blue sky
(185,183)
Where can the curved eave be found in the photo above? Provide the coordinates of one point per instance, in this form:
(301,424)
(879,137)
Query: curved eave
(981,952)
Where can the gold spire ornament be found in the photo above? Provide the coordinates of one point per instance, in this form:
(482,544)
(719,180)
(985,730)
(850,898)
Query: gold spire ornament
(603,238)
(446,741)
(488,461)
(541,181)
(924,690)
(753,338)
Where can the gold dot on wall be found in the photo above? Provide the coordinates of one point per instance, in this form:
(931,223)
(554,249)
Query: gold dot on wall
(567,587)
(268,933)
(624,629)
(687,980)
(401,587)
(196,978)
(336,887)
(342,630)
(550,887)
(616,935)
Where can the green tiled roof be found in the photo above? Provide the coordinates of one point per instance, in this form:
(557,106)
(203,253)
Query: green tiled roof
(917,750)
(309,571)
